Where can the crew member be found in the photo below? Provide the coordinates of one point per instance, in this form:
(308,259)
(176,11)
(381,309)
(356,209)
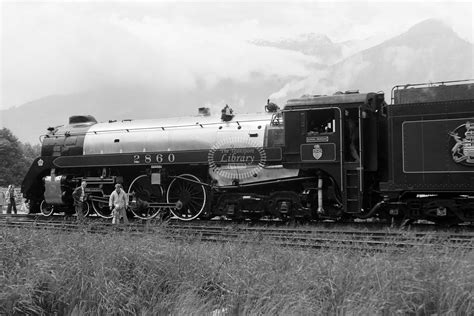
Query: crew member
(79,196)
(2,201)
(11,199)
(352,135)
(118,203)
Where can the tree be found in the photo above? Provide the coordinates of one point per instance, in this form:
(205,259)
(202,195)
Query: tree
(15,158)
(30,152)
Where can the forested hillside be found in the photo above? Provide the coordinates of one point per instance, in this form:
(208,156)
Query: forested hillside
(15,158)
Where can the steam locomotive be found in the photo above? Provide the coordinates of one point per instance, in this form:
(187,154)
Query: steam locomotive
(344,156)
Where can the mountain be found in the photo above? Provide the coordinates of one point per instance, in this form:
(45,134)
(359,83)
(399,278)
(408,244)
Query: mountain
(429,51)
(321,47)
(317,45)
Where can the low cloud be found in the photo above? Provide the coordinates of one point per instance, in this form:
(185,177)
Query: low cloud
(401,57)
(186,53)
(54,48)
(80,52)
(339,77)
(314,83)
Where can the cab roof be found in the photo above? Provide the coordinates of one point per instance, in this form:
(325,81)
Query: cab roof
(339,99)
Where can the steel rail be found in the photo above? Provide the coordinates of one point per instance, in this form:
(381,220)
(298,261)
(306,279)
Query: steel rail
(288,238)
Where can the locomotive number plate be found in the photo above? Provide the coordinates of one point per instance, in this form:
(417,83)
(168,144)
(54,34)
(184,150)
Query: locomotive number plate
(156,158)
(317,139)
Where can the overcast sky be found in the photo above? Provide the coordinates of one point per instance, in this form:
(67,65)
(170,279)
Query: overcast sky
(59,48)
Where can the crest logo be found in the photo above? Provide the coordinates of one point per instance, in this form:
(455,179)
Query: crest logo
(40,163)
(317,152)
(463,149)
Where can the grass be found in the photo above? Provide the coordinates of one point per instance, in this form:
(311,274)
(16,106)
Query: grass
(45,273)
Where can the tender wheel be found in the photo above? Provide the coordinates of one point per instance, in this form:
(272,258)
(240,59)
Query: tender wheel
(142,194)
(100,204)
(189,196)
(46,209)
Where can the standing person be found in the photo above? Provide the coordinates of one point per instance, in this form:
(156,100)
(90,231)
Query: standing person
(2,201)
(352,138)
(118,203)
(79,196)
(11,199)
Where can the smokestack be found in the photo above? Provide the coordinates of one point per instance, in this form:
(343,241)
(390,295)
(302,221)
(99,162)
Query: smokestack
(204,111)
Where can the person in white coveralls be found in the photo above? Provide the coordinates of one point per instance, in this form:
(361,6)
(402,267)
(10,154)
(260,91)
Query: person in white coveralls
(118,203)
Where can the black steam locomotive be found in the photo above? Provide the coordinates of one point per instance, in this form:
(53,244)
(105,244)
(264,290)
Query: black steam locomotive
(348,155)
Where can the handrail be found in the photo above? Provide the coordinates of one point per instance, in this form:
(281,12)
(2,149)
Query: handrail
(124,129)
(426,84)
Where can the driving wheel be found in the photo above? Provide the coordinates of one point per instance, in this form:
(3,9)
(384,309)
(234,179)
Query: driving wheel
(187,192)
(143,196)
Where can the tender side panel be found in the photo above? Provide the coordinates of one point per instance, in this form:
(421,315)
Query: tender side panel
(431,146)
(437,146)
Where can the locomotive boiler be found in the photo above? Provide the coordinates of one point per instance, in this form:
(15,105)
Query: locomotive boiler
(344,156)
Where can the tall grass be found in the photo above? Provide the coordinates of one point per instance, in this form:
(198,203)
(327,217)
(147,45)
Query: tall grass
(44,273)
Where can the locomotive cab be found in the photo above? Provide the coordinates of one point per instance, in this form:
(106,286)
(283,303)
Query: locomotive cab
(336,138)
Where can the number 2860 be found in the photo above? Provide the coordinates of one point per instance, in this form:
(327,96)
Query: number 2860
(158,158)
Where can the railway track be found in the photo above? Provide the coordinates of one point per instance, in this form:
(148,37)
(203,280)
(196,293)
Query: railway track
(298,237)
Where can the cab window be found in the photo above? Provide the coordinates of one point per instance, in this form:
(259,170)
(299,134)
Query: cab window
(321,122)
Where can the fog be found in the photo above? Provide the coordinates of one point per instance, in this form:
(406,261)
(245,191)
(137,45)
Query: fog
(53,48)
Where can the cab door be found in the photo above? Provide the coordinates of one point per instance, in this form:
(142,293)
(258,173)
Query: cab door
(353,159)
(360,155)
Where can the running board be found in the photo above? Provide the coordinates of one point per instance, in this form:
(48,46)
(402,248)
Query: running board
(265,182)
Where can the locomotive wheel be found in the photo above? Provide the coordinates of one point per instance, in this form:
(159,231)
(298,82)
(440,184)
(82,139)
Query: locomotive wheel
(86,209)
(189,195)
(101,208)
(46,209)
(143,192)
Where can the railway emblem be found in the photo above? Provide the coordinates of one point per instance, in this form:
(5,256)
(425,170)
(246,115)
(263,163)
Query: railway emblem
(463,149)
(317,152)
